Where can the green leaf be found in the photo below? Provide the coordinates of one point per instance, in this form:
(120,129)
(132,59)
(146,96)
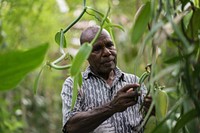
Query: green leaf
(190,115)
(98,15)
(197,3)
(75,91)
(80,58)
(76,84)
(60,39)
(178,31)
(194,25)
(142,18)
(151,124)
(16,64)
(178,58)
(79,79)
(172,60)
(187,18)
(161,104)
(164,128)
(184,2)
(113,25)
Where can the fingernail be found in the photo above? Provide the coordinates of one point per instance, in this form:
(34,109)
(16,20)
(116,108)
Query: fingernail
(131,89)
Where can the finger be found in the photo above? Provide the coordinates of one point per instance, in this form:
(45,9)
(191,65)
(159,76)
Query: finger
(135,99)
(129,86)
(148,100)
(148,97)
(131,103)
(130,90)
(131,94)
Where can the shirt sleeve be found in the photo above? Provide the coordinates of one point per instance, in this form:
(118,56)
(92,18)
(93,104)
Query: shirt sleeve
(66,95)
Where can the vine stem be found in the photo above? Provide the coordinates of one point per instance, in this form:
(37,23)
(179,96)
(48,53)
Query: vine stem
(147,116)
(52,65)
(79,17)
(101,27)
(76,20)
(61,41)
(92,9)
(59,59)
(84,3)
(106,19)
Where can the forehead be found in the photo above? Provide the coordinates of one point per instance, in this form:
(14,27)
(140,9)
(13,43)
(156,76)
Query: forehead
(89,34)
(103,37)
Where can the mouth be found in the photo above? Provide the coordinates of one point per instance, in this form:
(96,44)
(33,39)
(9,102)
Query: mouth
(108,63)
(107,60)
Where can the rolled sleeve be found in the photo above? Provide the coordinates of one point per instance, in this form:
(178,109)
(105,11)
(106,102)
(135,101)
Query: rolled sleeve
(66,95)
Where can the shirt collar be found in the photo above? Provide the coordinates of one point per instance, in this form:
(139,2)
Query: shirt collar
(118,72)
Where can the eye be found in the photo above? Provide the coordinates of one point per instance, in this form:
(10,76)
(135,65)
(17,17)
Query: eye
(109,45)
(96,48)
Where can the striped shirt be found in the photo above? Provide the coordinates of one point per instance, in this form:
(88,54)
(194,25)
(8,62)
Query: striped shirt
(95,92)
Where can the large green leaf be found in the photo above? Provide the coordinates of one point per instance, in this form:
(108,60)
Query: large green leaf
(80,79)
(151,124)
(16,64)
(80,58)
(76,85)
(190,115)
(142,18)
(164,128)
(74,91)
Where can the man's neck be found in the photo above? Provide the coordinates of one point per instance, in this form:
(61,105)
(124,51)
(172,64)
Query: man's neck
(108,77)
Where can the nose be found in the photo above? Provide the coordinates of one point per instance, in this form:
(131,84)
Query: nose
(106,52)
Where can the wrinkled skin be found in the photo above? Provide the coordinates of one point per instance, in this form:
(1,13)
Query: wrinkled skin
(103,57)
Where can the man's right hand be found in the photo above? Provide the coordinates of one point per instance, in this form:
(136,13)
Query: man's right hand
(125,97)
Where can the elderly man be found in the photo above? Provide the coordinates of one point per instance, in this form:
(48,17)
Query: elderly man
(107,101)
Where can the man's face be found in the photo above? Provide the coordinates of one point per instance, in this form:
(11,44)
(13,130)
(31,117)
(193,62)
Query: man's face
(103,56)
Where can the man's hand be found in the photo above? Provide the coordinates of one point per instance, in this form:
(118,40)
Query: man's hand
(147,104)
(125,97)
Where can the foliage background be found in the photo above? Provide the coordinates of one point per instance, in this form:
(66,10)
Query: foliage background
(29,23)
(25,24)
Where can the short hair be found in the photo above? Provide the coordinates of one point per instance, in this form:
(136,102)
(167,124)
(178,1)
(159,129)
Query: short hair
(89,33)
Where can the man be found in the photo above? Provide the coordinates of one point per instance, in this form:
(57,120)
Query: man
(107,101)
